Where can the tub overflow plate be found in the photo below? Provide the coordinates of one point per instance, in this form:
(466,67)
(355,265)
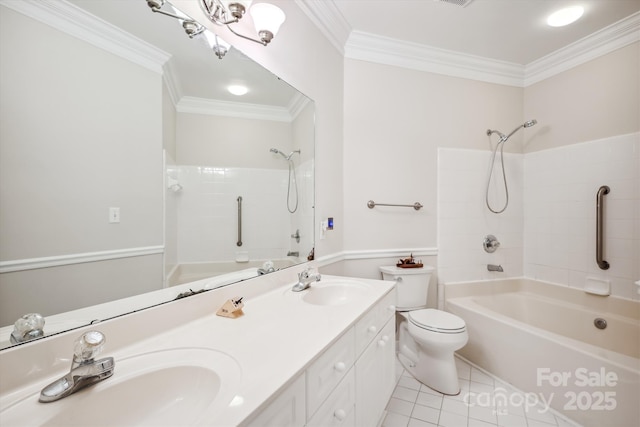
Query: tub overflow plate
(600,323)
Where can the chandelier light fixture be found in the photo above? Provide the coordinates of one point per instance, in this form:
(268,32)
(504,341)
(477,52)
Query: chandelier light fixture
(191,27)
(267,18)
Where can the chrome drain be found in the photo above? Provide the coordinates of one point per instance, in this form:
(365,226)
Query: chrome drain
(600,323)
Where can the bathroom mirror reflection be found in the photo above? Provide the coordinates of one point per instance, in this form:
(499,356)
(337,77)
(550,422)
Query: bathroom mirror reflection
(127,167)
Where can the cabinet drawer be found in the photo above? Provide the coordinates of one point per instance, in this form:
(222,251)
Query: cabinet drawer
(339,408)
(327,371)
(370,324)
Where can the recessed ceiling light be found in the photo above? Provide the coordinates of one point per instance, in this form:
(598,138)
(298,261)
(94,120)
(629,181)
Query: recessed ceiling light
(565,16)
(237,89)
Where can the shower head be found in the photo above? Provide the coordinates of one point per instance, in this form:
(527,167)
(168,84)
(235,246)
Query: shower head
(503,137)
(276,151)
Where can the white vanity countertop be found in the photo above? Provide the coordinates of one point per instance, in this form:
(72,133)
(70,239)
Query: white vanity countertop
(278,336)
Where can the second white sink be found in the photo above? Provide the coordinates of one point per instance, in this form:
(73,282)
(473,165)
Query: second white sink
(334,293)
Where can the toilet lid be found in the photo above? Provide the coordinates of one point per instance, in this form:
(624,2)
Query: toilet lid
(437,321)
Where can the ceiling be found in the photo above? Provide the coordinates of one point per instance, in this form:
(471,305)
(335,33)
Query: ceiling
(512,31)
(506,30)
(196,71)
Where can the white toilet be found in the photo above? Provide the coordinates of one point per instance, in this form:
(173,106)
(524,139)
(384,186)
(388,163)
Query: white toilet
(427,337)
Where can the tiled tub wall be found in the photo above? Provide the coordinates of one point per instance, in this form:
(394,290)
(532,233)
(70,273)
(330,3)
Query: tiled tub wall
(548,230)
(464,220)
(560,188)
(207,212)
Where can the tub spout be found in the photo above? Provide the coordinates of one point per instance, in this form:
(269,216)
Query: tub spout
(493,267)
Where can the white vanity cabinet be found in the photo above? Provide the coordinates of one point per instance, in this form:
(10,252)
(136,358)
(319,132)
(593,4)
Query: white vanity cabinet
(375,377)
(288,409)
(375,367)
(348,384)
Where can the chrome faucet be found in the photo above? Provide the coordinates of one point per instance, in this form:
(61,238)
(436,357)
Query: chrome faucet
(305,278)
(85,370)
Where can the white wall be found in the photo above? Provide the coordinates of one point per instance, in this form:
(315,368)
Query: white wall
(204,139)
(69,150)
(596,100)
(395,121)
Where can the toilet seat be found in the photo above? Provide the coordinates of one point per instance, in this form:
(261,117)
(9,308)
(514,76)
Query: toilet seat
(437,321)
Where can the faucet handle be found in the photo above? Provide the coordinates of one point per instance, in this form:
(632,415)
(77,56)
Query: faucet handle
(89,345)
(304,274)
(28,327)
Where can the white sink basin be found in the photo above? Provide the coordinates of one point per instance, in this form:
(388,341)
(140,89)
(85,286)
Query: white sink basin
(334,292)
(184,386)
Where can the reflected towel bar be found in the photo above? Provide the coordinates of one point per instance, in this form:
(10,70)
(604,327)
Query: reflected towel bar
(604,265)
(371,204)
(239,242)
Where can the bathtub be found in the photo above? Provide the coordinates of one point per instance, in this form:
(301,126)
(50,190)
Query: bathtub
(225,271)
(542,339)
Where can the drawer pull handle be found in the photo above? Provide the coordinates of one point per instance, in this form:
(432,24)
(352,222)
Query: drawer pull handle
(340,414)
(340,367)
(385,338)
(382,343)
(373,329)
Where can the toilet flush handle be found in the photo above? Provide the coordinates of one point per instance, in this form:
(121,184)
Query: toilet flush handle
(397,279)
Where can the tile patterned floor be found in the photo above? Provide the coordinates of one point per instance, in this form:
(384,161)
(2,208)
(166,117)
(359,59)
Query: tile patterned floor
(415,405)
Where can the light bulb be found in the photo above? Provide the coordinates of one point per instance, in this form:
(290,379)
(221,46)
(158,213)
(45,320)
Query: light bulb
(267,17)
(565,16)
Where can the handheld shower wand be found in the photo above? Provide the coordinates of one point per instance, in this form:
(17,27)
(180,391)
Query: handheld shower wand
(292,172)
(500,144)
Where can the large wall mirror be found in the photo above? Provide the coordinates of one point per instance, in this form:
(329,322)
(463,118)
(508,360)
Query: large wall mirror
(128,168)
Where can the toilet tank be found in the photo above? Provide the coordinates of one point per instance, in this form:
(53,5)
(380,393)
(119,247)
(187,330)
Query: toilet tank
(412,285)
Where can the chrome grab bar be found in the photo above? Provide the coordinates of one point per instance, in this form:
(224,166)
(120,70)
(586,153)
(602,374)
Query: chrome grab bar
(604,265)
(371,204)
(239,242)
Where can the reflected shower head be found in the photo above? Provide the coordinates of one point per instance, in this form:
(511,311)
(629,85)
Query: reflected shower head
(276,151)
(530,123)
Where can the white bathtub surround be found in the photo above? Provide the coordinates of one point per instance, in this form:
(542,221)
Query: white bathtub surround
(207,212)
(541,338)
(464,220)
(560,188)
(270,343)
(548,230)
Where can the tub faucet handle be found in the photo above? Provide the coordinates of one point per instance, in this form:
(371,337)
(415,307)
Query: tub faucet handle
(490,243)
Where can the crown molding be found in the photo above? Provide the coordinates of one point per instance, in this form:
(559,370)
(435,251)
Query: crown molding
(172,83)
(328,18)
(193,105)
(384,50)
(77,23)
(615,36)
(297,104)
